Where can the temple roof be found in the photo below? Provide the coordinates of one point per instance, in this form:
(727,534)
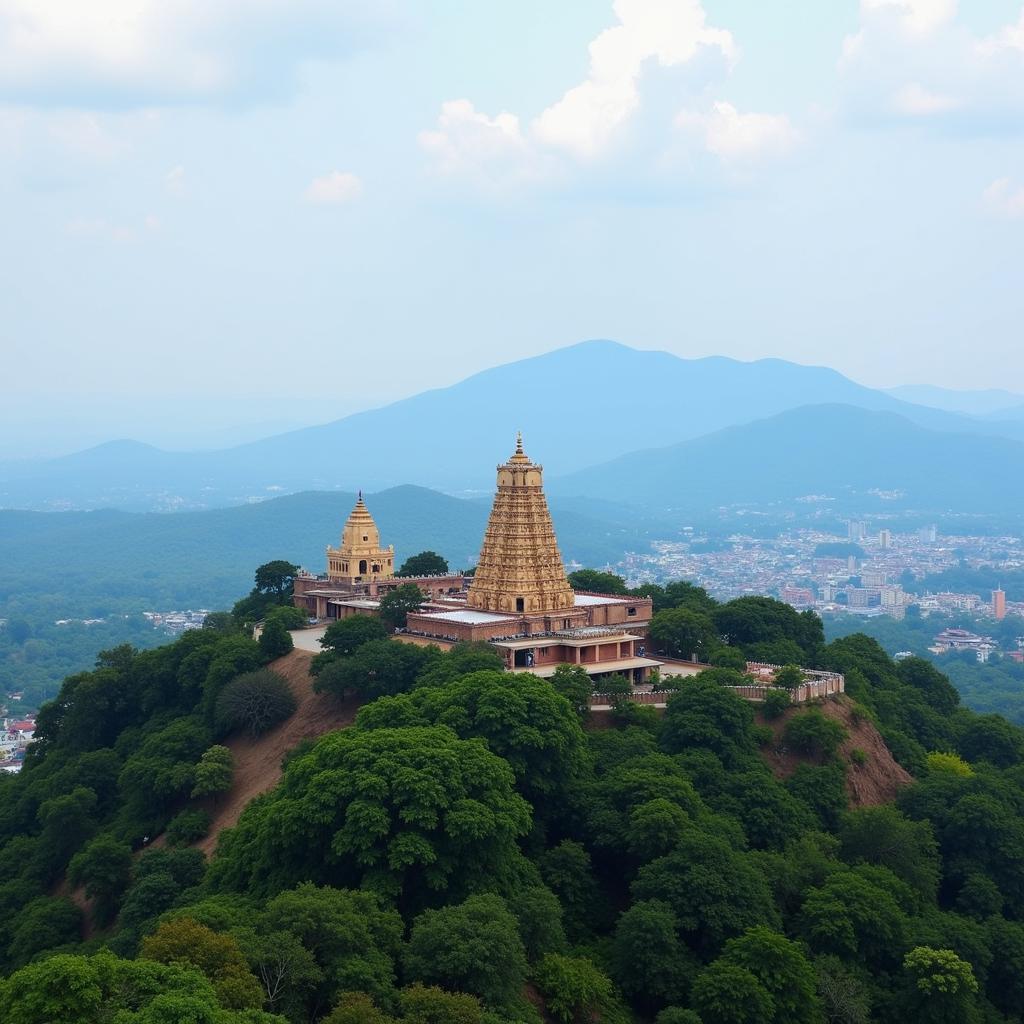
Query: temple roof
(520,570)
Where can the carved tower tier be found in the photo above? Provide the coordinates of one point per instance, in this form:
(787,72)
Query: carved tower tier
(360,558)
(520,569)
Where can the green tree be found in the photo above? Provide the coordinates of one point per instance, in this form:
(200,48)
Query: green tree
(396,604)
(727,994)
(941,986)
(811,733)
(991,738)
(104,869)
(682,633)
(844,996)
(886,837)
(849,916)
(715,891)
(183,940)
(595,582)
(426,563)
(275,641)
(431,1005)
(520,716)
(276,579)
(649,963)
(90,989)
(568,872)
(789,677)
(573,683)
(344,636)
(574,989)
(471,947)
(47,923)
(214,773)
(775,704)
(405,811)
(783,970)
(353,939)
(187,826)
(706,714)
(357,1008)
(254,703)
(539,914)
(375,669)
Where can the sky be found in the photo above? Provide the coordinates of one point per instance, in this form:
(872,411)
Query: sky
(221,220)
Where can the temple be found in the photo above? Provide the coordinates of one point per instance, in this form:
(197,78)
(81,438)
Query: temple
(359,570)
(519,599)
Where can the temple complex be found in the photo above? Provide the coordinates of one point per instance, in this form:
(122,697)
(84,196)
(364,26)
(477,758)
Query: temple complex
(359,570)
(519,599)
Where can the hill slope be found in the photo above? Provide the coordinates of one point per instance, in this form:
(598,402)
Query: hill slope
(578,406)
(829,449)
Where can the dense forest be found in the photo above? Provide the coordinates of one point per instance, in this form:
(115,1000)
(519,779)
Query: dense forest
(476,849)
(995,687)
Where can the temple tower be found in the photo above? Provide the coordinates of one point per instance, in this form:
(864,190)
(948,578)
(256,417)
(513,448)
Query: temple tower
(520,569)
(360,558)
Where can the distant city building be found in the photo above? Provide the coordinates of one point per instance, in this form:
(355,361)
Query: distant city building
(902,655)
(856,530)
(963,640)
(798,597)
(873,578)
(928,534)
(862,597)
(999,604)
(885,539)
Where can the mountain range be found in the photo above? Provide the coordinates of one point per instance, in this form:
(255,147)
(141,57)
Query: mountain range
(579,407)
(854,457)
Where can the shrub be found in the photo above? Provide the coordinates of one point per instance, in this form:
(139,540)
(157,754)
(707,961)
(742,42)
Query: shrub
(775,704)
(813,734)
(188,826)
(858,756)
(789,677)
(289,616)
(573,988)
(254,702)
(275,640)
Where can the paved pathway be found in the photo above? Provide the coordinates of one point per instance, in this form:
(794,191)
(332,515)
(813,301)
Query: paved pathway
(308,639)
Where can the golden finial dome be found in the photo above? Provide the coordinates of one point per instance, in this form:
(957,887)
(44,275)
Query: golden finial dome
(520,455)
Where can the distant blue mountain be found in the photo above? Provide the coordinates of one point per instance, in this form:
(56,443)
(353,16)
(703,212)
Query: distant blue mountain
(577,406)
(836,450)
(984,402)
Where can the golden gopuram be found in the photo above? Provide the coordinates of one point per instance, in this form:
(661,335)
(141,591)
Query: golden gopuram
(520,570)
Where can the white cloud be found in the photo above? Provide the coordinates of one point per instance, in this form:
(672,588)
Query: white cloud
(581,126)
(127,53)
(336,187)
(735,137)
(914,15)
(487,150)
(1005,199)
(1010,38)
(669,32)
(916,101)
(904,43)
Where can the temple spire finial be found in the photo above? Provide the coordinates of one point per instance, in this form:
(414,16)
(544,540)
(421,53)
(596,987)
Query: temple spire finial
(519,442)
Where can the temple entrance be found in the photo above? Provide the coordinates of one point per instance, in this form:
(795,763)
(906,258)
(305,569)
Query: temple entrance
(520,604)
(362,567)
(524,658)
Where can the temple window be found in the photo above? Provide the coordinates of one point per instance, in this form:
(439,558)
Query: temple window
(631,611)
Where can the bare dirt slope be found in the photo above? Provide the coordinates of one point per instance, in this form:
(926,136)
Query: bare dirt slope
(876,781)
(258,761)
